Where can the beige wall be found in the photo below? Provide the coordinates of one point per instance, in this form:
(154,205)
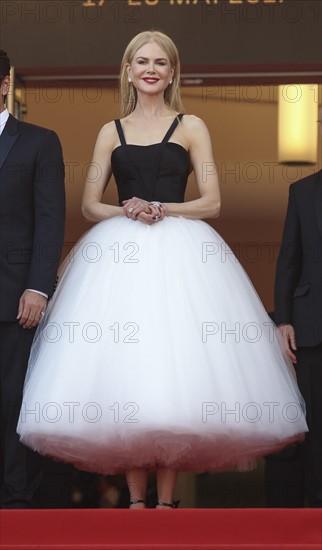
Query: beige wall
(243,125)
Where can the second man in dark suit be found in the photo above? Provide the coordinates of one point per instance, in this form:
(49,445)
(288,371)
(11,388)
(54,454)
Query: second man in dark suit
(297,472)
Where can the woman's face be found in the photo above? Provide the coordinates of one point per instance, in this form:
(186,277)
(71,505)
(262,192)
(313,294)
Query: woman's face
(150,69)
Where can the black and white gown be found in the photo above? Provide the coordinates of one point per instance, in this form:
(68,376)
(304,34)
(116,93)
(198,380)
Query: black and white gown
(156,349)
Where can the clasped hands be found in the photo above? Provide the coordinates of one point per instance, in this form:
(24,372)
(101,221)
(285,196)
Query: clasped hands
(144,211)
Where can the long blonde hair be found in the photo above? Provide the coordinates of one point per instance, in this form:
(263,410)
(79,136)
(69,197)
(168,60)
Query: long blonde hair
(128,94)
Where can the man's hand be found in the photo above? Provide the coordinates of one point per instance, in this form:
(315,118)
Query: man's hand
(31,307)
(288,336)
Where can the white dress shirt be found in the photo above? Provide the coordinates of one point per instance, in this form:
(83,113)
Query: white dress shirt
(4,115)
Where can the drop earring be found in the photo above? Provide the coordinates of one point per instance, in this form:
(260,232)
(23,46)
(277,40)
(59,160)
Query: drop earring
(170,82)
(130,80)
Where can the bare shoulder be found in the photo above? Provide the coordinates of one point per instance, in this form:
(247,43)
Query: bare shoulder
(193,123)
(107,136)
(108,130)
(195,129)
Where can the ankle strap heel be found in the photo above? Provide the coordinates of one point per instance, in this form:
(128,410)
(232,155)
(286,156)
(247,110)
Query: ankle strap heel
(175,504)
(137,501)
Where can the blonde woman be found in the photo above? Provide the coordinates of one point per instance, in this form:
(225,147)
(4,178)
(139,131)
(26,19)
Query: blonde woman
(135,367)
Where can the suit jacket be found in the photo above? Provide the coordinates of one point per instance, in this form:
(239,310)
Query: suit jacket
(298,285)
(32,212)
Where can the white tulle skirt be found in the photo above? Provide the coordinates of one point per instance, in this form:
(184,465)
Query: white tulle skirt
(156,351)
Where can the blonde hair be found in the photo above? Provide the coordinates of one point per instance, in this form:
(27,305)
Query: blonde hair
(128,94)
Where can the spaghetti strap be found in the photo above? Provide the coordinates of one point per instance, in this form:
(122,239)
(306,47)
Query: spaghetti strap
(120,131)
(172,128)
(166,137)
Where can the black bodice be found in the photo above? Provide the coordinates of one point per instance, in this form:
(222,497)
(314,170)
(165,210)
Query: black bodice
(151,172)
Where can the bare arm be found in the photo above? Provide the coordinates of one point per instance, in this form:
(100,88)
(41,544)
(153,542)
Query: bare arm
(200,150)
(98,177)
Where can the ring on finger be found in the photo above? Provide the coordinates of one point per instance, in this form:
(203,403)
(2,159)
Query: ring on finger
(130,210)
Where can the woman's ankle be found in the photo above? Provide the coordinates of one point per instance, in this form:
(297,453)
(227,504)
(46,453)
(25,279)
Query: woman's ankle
(165,504)
(138,503)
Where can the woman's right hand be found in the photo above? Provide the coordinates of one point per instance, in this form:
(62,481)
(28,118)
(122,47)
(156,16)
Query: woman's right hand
(143,211)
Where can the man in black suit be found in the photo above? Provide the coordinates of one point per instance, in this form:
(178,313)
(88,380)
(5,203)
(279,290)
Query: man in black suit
(32,213)
(296,473)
